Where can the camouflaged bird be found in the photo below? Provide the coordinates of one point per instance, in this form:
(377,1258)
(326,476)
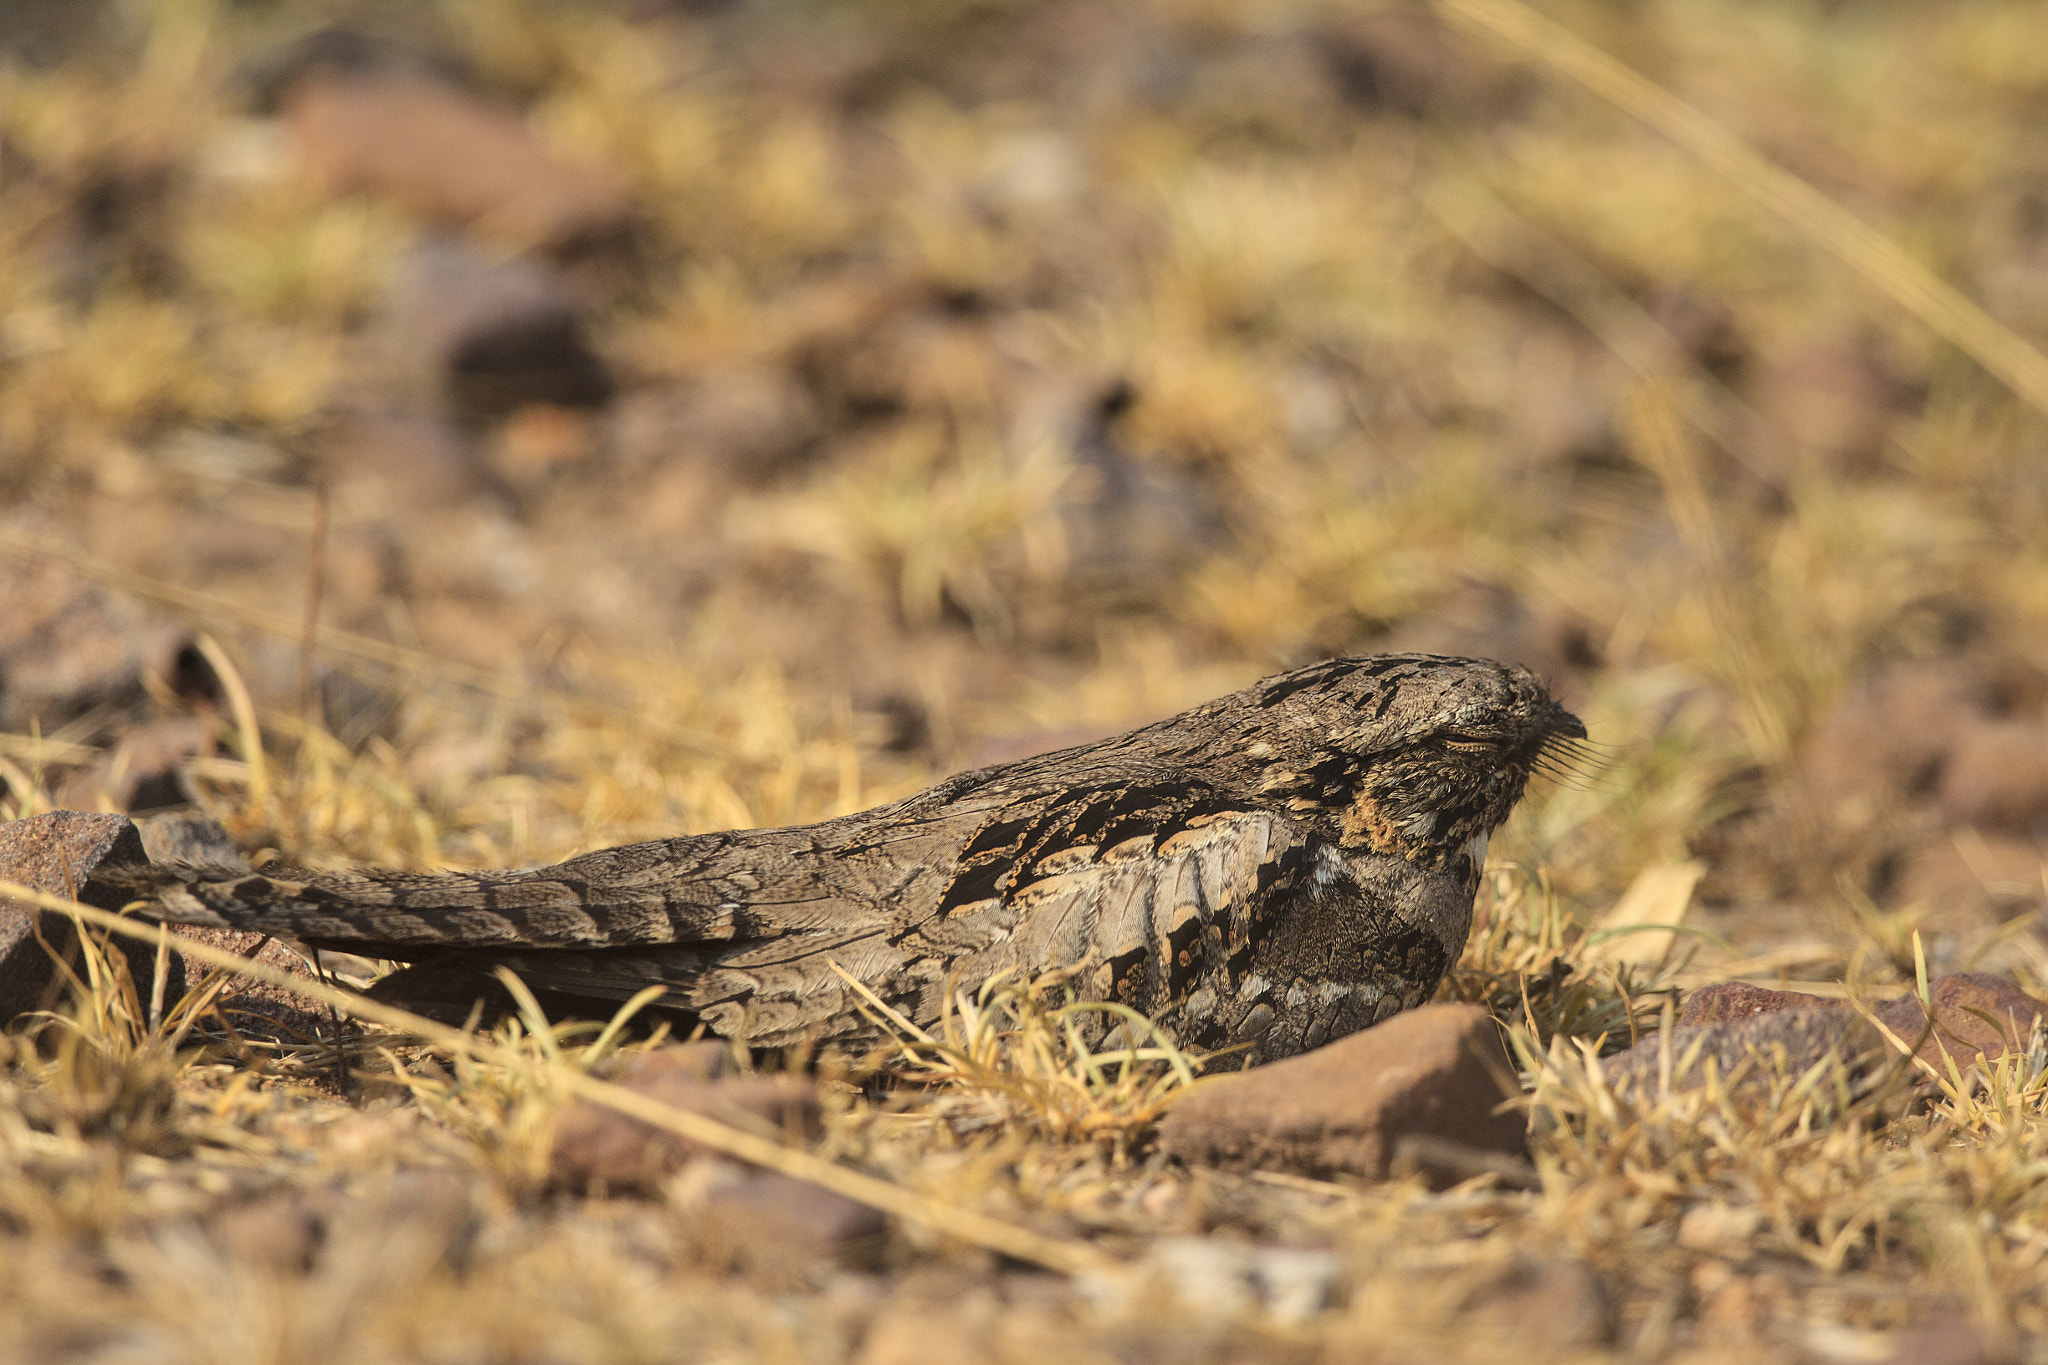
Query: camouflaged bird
(1277,868)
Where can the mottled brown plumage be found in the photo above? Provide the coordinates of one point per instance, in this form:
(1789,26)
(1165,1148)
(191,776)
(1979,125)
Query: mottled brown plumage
(1277,867)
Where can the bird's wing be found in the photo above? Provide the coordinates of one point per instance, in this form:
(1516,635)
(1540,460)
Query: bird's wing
(1140,891)
(1140,887)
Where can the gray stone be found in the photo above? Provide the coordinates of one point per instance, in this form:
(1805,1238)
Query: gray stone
(774,1222)
(68,645)
(188,836)
(57,853)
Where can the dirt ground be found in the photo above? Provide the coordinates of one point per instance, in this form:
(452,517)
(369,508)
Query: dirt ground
(474,433)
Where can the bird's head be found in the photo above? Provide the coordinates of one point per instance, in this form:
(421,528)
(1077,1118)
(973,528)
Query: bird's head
(1418,755)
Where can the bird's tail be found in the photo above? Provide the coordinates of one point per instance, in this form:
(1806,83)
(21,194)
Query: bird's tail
(398,914)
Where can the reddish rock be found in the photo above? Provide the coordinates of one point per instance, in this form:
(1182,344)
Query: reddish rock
(1730,1000)
(1785,1041)
(1435,1072)
(253,1008)
(1996,777)
(598,1149)
(57,853)
(1974,1017)
(445,154)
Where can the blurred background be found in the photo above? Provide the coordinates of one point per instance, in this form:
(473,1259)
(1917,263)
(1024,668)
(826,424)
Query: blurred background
(474,432)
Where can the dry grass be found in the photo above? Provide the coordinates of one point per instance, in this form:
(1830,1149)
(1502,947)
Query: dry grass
(1011,1056)
(994,375)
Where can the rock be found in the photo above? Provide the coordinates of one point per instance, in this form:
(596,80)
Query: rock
(144,770)
(1997,777)
(68,645)
(1975,1018)
(189,836)
(492,334)
(772,1221)
(1732,1000)
(1435,1072)
(253,1008)
(598,1149)
(1442,1162)
(57,853)
(1783,1041)
(445,154)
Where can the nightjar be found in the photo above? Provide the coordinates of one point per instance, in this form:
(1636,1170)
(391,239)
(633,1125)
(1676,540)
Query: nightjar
(1275,868)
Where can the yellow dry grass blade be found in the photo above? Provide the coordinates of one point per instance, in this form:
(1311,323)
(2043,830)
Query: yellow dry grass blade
(1006,1047)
